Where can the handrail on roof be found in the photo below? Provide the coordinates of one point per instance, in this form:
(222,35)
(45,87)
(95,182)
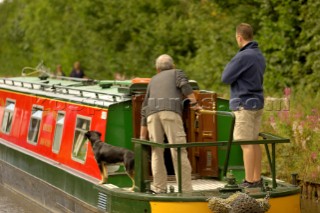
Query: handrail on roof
(56,87)
(81,91)
(83,80)
(43,84)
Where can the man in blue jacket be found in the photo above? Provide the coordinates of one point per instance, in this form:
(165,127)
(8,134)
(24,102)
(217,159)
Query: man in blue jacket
(244,73)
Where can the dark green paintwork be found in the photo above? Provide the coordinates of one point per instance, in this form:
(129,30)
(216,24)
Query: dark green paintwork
(122,204)
(119,125)
(121,180)
(223,129)
(119,133)
(141,168)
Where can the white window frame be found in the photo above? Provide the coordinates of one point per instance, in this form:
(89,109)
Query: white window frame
(80,141)
(58,135)
(36,114)
(10,113)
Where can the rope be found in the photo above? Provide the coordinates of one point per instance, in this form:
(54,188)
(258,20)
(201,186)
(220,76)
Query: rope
(40,68)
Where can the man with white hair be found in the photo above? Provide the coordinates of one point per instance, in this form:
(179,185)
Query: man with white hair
(161,115)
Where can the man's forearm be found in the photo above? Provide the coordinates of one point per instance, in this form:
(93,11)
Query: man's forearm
(192,98)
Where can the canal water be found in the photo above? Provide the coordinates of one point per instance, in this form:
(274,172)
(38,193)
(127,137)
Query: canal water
(310,206)
(11,202)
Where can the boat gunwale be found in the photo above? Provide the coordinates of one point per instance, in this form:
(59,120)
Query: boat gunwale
(190,197)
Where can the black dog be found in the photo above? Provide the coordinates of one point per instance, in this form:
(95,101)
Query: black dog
(106,154)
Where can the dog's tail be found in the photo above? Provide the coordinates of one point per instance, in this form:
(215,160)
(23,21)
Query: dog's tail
(129,163)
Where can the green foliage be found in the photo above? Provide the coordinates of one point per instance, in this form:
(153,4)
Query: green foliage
(307,63)
(121,36)
(300,122)
(126,37)
(279,28)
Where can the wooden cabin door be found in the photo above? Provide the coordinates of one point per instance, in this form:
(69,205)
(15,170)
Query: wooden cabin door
(136,113)
(202,128)
(204,160)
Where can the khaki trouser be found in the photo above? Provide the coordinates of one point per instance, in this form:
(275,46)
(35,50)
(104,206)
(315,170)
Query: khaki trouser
(247,127)
(170,124)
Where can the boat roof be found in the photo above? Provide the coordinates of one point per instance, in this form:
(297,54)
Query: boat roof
(102,93)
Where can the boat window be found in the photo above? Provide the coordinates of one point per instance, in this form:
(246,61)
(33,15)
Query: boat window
(58,132)
(79,150)
(7,116)
(34,125)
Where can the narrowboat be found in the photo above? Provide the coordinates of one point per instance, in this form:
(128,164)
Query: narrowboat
(45,156)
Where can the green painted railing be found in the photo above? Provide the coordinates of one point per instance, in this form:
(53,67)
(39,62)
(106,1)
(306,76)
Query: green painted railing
(142,147)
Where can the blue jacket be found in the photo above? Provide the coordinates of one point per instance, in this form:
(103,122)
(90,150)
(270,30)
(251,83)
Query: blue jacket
(77,74)
(244,73)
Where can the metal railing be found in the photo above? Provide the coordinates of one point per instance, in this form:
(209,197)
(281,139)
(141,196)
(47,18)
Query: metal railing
(58,88)
(141,152)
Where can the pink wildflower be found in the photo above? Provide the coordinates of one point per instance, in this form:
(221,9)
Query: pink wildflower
(314,175)
(313,121)
(287,91)
(314,111)
(273,122)
(284,116)
(297,115)
(314,156)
